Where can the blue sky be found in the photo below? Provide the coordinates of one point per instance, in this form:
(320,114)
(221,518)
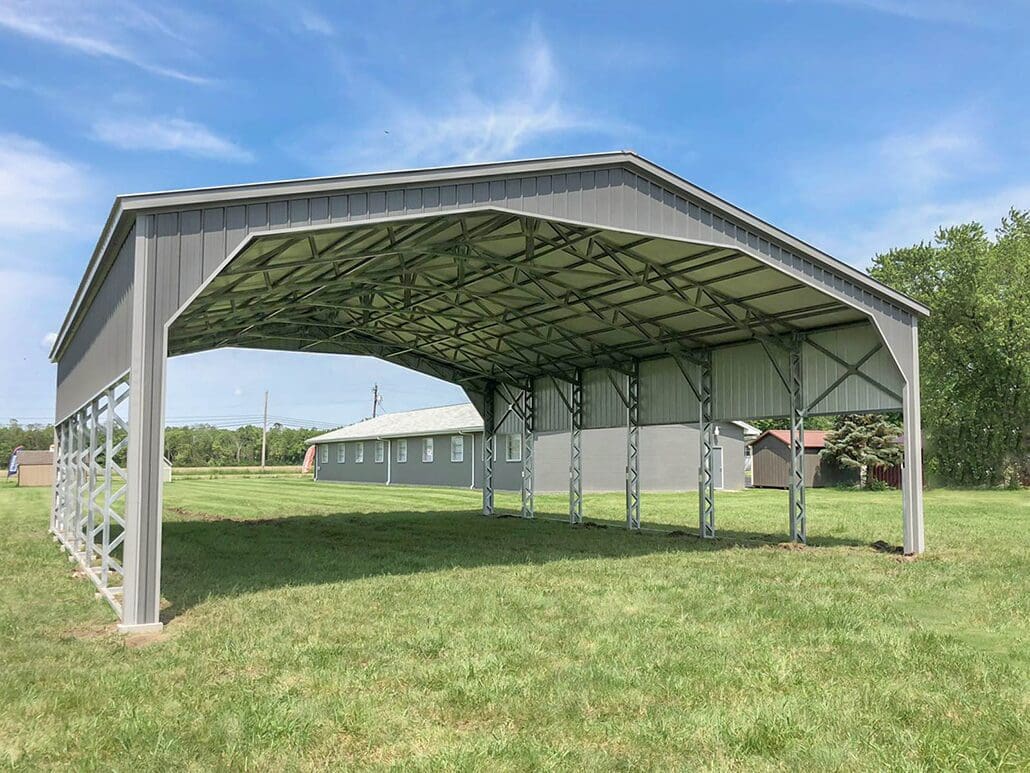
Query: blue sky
(857,125)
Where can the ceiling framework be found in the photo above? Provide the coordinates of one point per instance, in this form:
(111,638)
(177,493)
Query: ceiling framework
(495,296)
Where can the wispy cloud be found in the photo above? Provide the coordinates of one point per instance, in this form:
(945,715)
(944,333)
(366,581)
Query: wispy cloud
(899,189)
(168,134)
(312,21)
(94,30)
(469,124)
(967,12)
(39,189)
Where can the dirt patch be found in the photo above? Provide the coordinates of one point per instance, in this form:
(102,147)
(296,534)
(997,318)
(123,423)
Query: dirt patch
(88,632)
(195,515)
(592,525)
(136,641)
(793,546)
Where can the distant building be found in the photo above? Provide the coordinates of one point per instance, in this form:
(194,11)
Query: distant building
(444,447)
(35,468)
(771,461)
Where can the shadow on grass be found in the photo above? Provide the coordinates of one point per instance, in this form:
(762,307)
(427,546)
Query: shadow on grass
(208,556)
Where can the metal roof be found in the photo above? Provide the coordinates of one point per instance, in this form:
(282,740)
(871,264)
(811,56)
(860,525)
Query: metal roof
(447,419)
(122,216)
(443,420)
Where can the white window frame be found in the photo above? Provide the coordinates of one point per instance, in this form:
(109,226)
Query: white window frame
(402,450)
(508,455)
(323,453)
(359,452)
(427,450)
(457,444)
(341,453)
(379,452)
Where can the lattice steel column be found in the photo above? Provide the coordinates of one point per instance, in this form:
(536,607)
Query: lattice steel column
(633,448)
(489,449)
(576,449)
(706,478)
(797,446)
(527,450)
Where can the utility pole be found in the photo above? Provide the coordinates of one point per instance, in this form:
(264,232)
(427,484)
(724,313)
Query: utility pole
(376,399)
(264,433)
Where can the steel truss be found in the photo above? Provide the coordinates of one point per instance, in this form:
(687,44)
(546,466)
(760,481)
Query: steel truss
(706,478)
(528,438)
(798,514)
(633,447)
(489,449)
(90,488)
(576,449)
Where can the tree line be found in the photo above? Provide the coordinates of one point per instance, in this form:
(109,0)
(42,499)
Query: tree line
(200,445)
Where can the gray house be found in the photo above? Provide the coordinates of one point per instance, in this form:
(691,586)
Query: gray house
(444,447)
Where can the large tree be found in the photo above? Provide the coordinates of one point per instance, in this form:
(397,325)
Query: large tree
(861,441)
(974,348)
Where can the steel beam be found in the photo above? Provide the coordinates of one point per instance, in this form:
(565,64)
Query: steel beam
(706,478)
(528,437)
(576,449)
(489,448)
(633,447)
(798,514)
(912,467)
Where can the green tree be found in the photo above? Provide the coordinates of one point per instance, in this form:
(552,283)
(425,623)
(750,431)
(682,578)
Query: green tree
(974,348)
(861,441)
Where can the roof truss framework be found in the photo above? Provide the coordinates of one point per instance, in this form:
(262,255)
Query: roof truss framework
(504,278)
(494,296)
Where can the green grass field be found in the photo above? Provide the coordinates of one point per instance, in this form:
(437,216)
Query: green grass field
(316,626)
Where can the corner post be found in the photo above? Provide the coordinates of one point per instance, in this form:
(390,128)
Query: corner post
(489,448)
(912,467)
(527,450)
(633,447)
(798,513)
(142,546)
(576,449)
(706,478)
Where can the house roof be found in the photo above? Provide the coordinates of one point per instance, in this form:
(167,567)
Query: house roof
(428,421)
(814,438)
(35,457)
(444,420)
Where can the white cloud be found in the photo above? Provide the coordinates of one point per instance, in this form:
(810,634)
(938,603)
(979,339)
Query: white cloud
(471,124)
(95,29)
(311,21)
(168,134)
(48,341)
(39,190)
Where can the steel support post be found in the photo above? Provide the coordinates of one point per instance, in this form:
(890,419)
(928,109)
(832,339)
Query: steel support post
(633,447)
(912,467)
(75,481)
(92,486)
(576,449)
(798,514)
(489,448)
(142,546)
(706,478)
(528,438)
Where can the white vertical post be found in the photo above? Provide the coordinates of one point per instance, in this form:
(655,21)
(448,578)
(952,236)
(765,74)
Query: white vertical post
(489,449)
(142,566)
(912,469)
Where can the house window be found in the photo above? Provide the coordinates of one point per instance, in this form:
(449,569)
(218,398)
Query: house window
(427,450)
(323,454)
(402,450)
(457,448)
(341,453)
(380,449)
(513,448)
(359,452)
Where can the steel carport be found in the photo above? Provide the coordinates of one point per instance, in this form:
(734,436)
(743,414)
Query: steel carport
(561,294)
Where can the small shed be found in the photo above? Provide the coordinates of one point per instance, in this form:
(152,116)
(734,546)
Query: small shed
(35,468)
(770,466)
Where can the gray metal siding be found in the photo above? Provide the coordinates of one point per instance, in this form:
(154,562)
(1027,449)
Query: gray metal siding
(771,467)
(100,351)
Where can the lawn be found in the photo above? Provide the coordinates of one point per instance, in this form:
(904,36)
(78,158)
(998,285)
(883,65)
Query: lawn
(317,626)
